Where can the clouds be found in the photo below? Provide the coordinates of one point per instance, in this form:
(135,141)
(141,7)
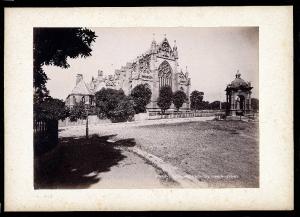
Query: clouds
(213,55)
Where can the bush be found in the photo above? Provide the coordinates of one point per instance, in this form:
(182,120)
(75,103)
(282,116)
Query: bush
(107,100)
(123,112)
(50,109)
(196,100)
(215,105)
(165,98)
(225,105)
(179,98)
(141,96)
(77,112)
(114,105)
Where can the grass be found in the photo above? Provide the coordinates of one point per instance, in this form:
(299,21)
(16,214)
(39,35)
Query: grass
(223,153)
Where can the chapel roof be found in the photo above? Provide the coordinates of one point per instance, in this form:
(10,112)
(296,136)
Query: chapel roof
(238,82)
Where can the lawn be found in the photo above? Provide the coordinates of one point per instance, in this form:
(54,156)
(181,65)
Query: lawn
(223,153)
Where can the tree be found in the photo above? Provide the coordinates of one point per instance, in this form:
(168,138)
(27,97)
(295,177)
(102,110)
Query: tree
(196,100)
(164,100)
(51,109)
(78,111)
(224,105)
(204,105)
(52,46)
(123,112)
(255,104)
(179,98)
(215,105)
(114,104)
(141,96)
(107,100)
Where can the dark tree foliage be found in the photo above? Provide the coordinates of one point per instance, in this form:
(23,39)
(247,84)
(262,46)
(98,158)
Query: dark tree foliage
(114,104)
(51,109)
(107,100)
(141,96)
(224,105)
(196,100)
(78,111)
(215,105)
(255,104)
(52,46)
(165,98)
(179,98)
(204,105)
(123,112)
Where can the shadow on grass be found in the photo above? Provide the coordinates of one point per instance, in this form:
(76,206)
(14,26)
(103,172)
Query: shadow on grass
(60,130)
(79,162)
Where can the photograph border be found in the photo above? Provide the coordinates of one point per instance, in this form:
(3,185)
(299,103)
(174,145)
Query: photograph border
(2,206)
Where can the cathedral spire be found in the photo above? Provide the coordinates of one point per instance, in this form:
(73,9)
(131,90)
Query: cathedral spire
(186,72)
(175,50)
(153,44)
(165,37)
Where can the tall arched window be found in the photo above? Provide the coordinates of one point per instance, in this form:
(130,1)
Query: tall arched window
(165,74)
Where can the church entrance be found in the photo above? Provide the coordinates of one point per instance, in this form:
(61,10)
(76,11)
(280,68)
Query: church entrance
(165,74)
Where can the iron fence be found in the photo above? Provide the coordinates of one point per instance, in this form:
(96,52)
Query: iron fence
(45,135)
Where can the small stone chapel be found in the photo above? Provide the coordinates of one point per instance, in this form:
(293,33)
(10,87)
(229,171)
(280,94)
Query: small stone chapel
(238,96)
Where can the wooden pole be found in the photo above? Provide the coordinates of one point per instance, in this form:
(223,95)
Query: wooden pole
(87,125)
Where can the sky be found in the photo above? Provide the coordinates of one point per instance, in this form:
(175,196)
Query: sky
(212,56)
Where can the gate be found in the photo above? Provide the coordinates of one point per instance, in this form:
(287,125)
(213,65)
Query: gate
(45,135)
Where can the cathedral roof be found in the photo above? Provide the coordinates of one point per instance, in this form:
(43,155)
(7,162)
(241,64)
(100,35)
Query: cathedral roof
(81,88)
(164,40)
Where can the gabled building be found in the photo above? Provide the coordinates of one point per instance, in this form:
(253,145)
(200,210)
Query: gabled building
(80,93)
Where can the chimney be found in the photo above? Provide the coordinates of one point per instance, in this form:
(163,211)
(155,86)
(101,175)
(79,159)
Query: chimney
(79,77)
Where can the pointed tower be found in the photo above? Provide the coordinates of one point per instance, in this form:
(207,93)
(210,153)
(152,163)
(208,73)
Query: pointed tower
(153,52)
(175,50)
(186,72)
(153,45)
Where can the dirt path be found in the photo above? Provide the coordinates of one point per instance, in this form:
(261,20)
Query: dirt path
(133,172)
(98,163)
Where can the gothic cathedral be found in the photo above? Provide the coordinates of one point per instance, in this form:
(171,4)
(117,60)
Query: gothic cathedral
(156,68)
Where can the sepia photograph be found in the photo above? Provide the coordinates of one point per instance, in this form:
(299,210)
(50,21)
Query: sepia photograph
(146,107)
(167,108)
